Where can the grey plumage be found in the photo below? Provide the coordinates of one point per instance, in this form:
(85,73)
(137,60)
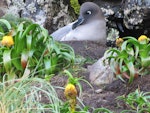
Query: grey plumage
(91,25)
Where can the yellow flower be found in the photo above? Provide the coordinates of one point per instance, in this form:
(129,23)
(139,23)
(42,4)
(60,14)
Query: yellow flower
(142,38)
(119,42)
(7,41)
(70,91)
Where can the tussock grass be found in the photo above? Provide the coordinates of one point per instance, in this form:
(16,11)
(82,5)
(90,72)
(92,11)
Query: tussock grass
(26,96)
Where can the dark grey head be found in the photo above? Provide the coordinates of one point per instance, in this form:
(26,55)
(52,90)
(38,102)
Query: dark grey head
(89,11)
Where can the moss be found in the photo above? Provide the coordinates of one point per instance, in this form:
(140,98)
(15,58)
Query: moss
(75,5)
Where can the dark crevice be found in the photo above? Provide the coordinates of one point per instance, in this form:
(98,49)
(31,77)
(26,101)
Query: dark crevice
(20,13)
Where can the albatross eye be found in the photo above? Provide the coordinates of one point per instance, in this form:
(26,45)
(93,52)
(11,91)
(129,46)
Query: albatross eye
(89,12)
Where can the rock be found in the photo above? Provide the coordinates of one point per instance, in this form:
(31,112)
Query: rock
(100,74)
(31,9)
(59,13)
(3,7)
(129,17)
(134,13)
(51,14)
(98,90)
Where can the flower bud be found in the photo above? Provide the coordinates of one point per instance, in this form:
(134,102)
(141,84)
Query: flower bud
(70,91)
(7,41)
(143,39)
(119,42)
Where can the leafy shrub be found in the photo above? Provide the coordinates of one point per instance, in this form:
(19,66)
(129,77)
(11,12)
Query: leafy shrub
(138,101)
(131,59)
(26,45)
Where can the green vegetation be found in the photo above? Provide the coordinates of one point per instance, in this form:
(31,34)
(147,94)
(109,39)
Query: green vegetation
(26,45)
(29,57)
(138,101)
(75,5)
(131,59)
(25,96)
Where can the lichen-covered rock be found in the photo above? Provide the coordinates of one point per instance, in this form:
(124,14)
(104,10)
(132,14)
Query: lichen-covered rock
(111,10)
(32,9)
(52,14)
(134,13)
(58,15)
(129,17)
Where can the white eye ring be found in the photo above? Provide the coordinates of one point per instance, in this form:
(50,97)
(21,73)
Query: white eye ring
(89,12)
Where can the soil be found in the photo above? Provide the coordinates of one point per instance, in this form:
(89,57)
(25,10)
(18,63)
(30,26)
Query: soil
(88,49)
(105,95)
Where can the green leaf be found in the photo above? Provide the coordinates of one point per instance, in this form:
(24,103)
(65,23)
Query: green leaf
(104,110)
(31,52)
(20,42)
(1,31)
(67,56)
(145,56)
(121,64)
(124,45)
(131,70)
(30,28)
(123,54)
(68,74)
(6,23)
(16,60)
(136,51)
(110,59)
(51,65)
(7,60)
(112,51)
(11,75)
(130,51)
(20,27)
(113,65)
(145,61)
(29,42)
(34,39)
(56,48)
(44,33)
(120,77)
(129,44)
(47,64)
(130,38)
